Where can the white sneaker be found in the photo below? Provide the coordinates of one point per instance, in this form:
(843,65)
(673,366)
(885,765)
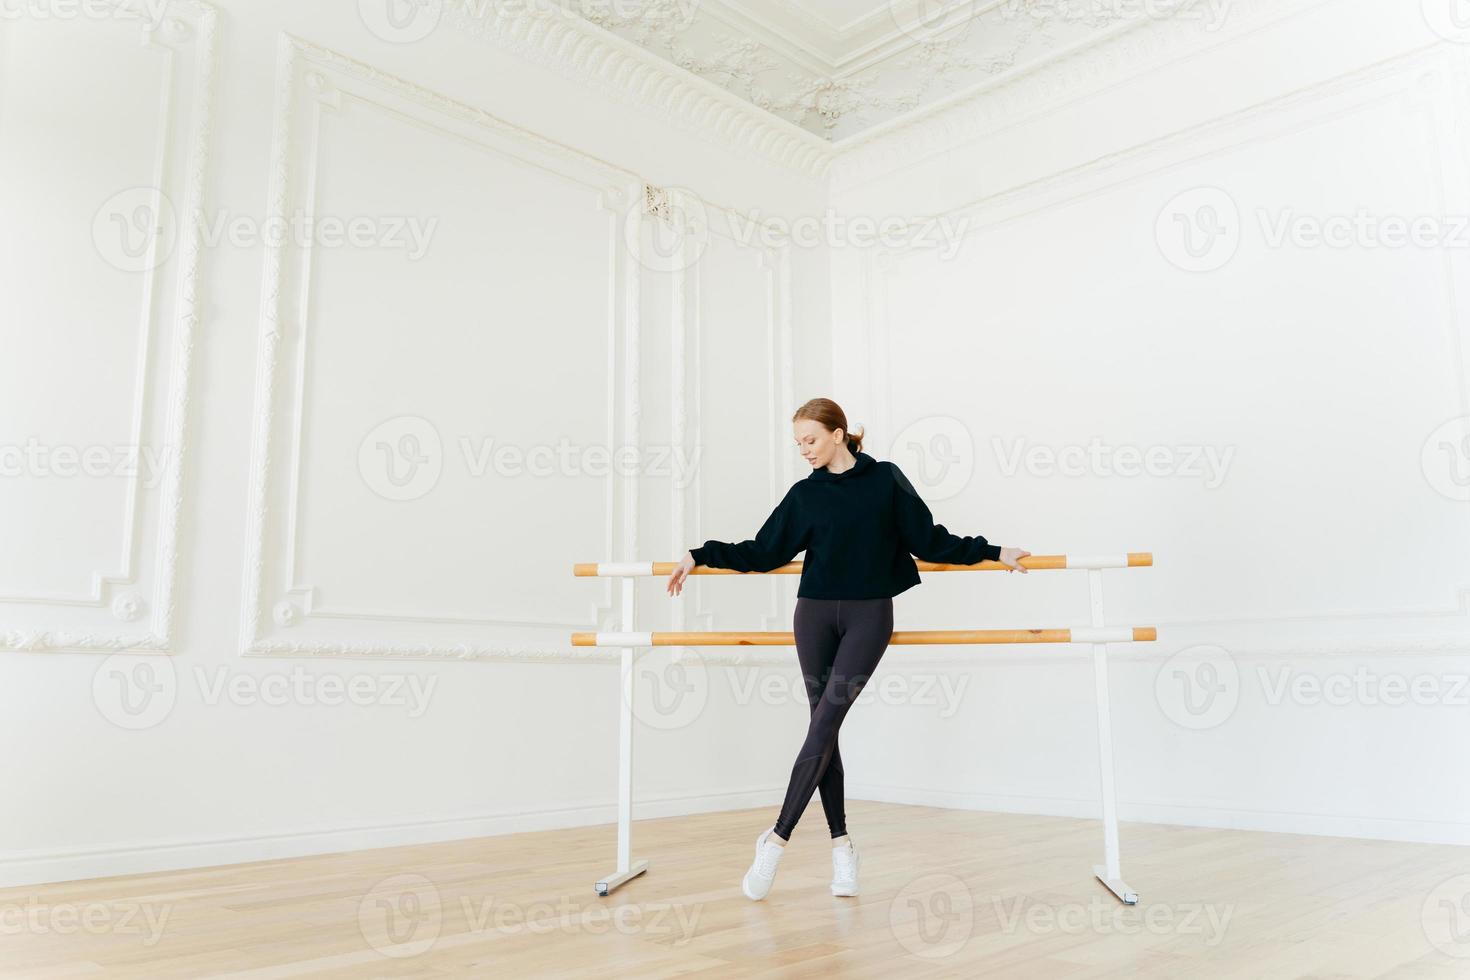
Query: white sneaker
(845,869)
(757,881)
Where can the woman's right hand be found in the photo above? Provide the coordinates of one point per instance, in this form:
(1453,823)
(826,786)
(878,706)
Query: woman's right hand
(681,572)
(1011,558)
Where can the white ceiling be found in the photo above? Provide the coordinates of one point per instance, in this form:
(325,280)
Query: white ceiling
(837,68)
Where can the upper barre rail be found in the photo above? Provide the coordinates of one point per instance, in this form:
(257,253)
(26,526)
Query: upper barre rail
(1076,634)
(1133,559)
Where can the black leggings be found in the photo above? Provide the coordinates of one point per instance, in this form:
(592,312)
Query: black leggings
(839,643)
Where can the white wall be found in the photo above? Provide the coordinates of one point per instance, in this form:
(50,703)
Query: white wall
(313,532)
(1327,545)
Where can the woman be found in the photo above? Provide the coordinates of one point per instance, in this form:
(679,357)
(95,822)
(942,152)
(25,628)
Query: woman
(859,521)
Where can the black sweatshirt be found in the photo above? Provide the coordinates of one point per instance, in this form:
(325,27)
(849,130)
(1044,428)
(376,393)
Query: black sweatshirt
(859,529)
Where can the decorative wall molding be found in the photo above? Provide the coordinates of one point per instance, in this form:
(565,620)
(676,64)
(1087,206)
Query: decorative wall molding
(775,264)
(310,76)
(190,31)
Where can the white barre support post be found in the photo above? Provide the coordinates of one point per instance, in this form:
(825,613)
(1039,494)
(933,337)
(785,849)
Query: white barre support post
(628,869)
(1109,872)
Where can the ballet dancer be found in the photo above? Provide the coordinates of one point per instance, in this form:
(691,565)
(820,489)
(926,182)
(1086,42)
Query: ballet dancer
(860,522)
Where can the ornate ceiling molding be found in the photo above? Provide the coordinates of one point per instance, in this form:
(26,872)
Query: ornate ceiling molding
(880,94)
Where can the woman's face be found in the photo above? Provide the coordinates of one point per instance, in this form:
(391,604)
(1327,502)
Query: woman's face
(818,446)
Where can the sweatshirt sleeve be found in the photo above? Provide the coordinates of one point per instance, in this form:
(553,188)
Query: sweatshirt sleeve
(929,541)
(782,535)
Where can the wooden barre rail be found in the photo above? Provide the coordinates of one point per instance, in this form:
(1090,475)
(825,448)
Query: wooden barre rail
(1087,634)
(1133,559)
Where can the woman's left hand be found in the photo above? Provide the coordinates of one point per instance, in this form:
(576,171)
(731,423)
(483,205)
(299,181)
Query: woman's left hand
(1011,558)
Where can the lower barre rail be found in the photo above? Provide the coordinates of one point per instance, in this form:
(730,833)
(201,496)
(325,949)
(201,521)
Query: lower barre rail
(1081,634)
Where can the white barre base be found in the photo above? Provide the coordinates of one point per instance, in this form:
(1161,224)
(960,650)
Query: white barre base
(1115,885)
(611,882)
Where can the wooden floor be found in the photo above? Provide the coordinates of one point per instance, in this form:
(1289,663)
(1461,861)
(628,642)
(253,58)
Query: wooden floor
(945,893)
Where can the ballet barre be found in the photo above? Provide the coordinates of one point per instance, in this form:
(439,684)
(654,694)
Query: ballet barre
(1105,634)
(1133,559)
(1098,635)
